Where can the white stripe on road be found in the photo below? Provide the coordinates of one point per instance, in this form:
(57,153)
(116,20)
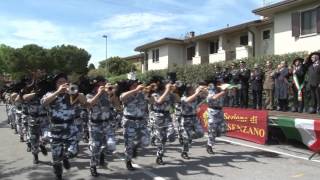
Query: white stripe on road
(265,149)
(154,176)
(142,169)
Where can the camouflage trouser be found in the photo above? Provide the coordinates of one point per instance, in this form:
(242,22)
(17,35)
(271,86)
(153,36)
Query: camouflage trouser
(63,139)
(79,124)
(177,121)
(134,130)
(191,128)
(164,130)
(216,125)
(25,119)
(101,138)
(19,124)
(34,132)
(45,129)
(11,116)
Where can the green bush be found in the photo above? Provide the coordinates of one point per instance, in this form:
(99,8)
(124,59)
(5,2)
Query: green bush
(195,73)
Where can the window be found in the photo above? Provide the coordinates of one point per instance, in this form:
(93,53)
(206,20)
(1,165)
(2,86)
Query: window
(244,40)
(214,46)
(266,34)
(308,22)
(155,55)
(191,52)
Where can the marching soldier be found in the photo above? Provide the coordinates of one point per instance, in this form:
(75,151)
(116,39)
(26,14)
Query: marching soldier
(102,136)
(63,130)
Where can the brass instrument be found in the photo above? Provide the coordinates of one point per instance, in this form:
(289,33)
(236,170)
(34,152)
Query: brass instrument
(151,87)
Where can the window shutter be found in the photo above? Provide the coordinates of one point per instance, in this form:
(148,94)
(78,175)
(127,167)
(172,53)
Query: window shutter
(318,19)
(295,17)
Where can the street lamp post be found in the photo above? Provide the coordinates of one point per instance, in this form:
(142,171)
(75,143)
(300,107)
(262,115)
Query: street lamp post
(105,36)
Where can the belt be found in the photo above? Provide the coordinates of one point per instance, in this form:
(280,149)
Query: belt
(60,121)
(189,116)
(133,118)
(99,121)
(38,115)
(161,111)
(216,108)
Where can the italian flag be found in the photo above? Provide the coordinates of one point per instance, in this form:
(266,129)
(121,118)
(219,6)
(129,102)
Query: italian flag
(305,130)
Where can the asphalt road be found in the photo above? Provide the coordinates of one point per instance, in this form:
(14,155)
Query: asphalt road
(234,160)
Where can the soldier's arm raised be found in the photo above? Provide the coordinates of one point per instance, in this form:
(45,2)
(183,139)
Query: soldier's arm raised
(28,97)
(161,99)
(94,100)
(124,96)
(50,98)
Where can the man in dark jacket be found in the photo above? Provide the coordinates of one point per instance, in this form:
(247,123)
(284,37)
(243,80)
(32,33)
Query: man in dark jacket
(314,81)
(244,76)
(257,87)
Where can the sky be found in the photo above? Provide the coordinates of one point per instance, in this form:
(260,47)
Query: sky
(127,23)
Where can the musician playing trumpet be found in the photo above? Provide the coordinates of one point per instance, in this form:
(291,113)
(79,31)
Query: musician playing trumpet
(161,101)
(102,137)
(190,124)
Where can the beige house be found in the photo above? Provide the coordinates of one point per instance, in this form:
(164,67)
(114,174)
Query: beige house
(296,25)
(284,27)
(136,60)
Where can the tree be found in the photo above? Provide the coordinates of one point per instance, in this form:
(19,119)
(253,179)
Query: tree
(5,52)
(91,66)
(116,66)
(68,58)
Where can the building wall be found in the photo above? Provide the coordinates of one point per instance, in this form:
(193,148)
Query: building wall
(163,59)
(264,47)
(284,42)
(176,55)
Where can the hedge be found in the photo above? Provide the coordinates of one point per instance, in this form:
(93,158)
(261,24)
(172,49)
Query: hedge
(196,73)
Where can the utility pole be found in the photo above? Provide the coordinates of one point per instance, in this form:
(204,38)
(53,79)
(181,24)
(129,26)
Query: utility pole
(105,36)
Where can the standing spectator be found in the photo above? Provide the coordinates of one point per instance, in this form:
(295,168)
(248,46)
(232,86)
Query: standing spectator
(298,74)
(257,85)
(244,76)
(268,85)
(314,81)
(235,96)
(281,86)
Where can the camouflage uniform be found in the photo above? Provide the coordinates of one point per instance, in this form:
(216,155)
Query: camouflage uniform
(101,133)
(134,123)
(216,123)
(178,116)
(63,135)
(36,120)
(163,125)
(190,124)
(18,119)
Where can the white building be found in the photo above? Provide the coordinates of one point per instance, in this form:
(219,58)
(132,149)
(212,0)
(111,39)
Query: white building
(285,27)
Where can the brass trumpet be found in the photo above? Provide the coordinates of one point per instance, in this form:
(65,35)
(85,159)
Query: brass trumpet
(151,87)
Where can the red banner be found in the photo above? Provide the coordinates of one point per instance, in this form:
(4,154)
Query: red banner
(248,124)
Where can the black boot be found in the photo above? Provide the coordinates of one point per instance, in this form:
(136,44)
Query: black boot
(21,138)
(66,163)
(184,155)
(28,147)
(134,151)
(57,168)
(43,150)
(181,140)
(93,170)
(101,162)
(35,159)
(159,160)
(153,141)
(209,149)
(129,166)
